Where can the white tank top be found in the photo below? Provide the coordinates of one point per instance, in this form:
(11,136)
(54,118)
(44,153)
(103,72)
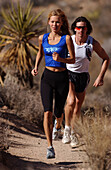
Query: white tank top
(81,60)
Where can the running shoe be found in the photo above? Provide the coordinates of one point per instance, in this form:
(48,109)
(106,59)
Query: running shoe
(50,152)
(66,136)
(56,133)
(74,140)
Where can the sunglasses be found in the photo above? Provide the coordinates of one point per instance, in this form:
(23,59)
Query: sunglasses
(80,27)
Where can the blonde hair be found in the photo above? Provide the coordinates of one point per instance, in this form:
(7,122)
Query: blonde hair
(65,25)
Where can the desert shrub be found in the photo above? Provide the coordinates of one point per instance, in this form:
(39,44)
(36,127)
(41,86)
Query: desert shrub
(4,136)
(25,101)
(96,134)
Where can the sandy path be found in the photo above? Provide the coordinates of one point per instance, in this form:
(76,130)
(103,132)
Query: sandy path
(27,150)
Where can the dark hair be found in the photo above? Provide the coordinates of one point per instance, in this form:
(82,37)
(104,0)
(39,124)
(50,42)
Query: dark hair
(82,19)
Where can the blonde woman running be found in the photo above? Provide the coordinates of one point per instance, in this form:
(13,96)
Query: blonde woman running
(55,46)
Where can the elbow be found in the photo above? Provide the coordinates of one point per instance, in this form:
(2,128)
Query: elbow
(72,61)
(108,61)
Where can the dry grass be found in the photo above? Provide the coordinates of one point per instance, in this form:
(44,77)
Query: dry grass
(25,101)
(4,138)
(96,134)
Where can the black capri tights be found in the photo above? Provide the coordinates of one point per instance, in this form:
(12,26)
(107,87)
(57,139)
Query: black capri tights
(54,85)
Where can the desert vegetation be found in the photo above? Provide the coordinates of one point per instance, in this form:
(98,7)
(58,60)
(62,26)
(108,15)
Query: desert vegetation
(17,39)
(20,27)
(95,132)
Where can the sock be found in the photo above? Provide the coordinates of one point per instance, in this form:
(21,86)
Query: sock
(50,147)
(72,132)
(67,127)
(55,122)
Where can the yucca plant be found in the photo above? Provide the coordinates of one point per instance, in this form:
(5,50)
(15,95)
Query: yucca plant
(21,26)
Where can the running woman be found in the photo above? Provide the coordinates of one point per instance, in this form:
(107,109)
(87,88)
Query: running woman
(55,46)
(79,76)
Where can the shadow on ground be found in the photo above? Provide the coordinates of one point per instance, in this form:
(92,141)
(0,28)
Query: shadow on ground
(19,123)
(16,163)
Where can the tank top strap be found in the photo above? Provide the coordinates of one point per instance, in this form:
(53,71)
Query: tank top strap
(45,37)
(63,37)
(89,40)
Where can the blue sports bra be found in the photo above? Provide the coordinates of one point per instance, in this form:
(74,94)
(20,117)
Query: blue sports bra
(60,48)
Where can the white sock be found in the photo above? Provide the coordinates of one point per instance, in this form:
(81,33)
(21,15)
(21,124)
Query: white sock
(50,147)
(72,132)
(67,127)
(55,121)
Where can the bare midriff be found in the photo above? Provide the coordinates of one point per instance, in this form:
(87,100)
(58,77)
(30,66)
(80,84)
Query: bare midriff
(56,69)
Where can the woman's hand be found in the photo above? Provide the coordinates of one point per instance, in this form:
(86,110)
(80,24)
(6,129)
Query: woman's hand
(98,82)
(34,72)
(56,56)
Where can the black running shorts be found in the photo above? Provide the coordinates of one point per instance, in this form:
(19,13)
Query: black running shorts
(80,80)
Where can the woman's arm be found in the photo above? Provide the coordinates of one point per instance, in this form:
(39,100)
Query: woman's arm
(102,54)
(38,57)
(71,58)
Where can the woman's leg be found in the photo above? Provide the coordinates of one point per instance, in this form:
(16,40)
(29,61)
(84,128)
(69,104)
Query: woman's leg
(56,133)
(48,126)
(59,121)
(61,92)
(69,108)
(79,99)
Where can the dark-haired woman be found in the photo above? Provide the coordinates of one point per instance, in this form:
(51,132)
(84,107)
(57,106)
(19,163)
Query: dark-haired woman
(79,75)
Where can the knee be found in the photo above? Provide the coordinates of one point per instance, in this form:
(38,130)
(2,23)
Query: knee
(77,102)
(48,117)
(78,107)
(70,102)
(46,114)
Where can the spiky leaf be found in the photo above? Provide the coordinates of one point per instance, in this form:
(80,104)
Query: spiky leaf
(21,26)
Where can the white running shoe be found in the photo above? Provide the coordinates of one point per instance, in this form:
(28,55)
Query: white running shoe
(56,133)
(66,136)
(74,140)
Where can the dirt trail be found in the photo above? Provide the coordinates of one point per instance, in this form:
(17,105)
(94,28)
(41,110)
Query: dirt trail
(28,145)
